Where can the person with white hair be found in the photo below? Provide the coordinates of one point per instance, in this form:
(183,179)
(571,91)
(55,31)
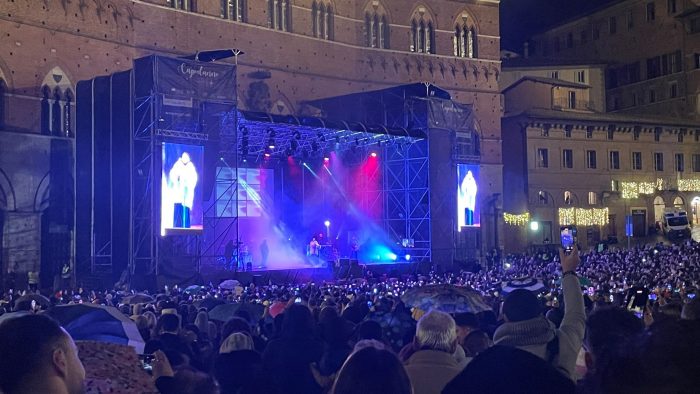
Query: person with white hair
(433,365)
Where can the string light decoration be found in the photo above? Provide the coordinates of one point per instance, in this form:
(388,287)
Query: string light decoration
(689,185)
(634,189)
(583,217)
(516,220)
(567,216)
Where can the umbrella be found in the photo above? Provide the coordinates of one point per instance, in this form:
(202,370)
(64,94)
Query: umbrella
(531,284)
(194,289)
(99,359)
(208,303)
(12,315)
(138,299)
(89,322)
(446,298)
(229,284)
(226,311)
(40,299)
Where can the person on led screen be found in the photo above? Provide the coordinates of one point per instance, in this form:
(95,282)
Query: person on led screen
(466,200)
(182,182)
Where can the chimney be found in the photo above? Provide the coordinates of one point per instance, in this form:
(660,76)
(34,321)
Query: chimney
(526,49)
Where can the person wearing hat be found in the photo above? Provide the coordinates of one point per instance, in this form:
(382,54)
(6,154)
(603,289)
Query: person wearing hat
(528,329)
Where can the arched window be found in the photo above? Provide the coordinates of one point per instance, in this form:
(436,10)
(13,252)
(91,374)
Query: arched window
(678,202)
(56,104)
(234,10)
(568,198)
(280,15)
(422,34)
(465,38)
(376,27)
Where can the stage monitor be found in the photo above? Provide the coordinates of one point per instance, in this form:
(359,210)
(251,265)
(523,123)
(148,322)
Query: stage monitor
(181,190)
(467,196)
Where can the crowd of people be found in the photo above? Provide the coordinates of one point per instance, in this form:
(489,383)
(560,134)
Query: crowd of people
(585,328)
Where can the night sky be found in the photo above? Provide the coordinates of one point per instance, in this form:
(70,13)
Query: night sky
(522,18)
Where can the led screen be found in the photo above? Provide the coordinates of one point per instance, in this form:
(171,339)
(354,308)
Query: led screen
(467,195)
(181,190)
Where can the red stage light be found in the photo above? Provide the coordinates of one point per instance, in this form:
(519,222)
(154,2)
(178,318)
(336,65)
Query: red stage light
(373,154)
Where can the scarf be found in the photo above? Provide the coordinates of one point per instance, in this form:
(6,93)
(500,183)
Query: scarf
(537,331)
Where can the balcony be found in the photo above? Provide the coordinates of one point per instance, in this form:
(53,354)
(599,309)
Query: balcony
(564,104)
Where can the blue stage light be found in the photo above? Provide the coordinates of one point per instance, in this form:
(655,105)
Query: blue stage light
(392,256)
(407,257)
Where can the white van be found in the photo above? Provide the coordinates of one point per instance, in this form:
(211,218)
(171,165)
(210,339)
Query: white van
(675,223)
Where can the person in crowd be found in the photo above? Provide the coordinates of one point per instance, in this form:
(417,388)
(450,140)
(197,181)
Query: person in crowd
(238,367)
(168,336)
(372,370)
(38,356)
(433,364)
(476,342)
(526,328)
(509,370)
(182,380)
(287,360)
(607,329)
(466,323)
(691,310)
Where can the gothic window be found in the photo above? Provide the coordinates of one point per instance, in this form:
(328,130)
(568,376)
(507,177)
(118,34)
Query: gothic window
(280,15)
(465,38)
(234,10)
(57,100)
(422,36)
(376,29)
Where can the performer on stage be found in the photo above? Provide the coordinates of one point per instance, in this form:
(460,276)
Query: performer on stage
(467,200)
(314,247)
(182,181)
(354,248)
(264,253)
(228,254)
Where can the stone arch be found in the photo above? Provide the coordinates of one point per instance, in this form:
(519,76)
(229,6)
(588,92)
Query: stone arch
(679,202)
(41,195)
(659,207)
(8,201)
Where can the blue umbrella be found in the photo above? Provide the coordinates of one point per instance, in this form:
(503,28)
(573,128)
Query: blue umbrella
(89,322)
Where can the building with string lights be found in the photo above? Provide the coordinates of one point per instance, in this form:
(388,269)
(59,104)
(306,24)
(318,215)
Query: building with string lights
(567,165)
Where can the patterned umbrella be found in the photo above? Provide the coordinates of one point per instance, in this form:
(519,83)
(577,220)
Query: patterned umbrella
(531,284)
(446,298)
(194,289)
(101,376)
(89,322)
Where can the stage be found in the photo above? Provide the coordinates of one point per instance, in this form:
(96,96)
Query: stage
(260,276)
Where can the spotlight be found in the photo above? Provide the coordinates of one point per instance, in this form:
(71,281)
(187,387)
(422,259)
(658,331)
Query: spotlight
(267,154)
(392,256)
(373,154)
(407,257)
(326,158)
(327,223)
(534,226)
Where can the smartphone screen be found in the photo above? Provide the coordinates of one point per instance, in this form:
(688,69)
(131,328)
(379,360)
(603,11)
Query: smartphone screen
(147,361)
(568,238)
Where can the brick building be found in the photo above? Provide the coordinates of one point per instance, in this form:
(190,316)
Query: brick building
(294,51)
